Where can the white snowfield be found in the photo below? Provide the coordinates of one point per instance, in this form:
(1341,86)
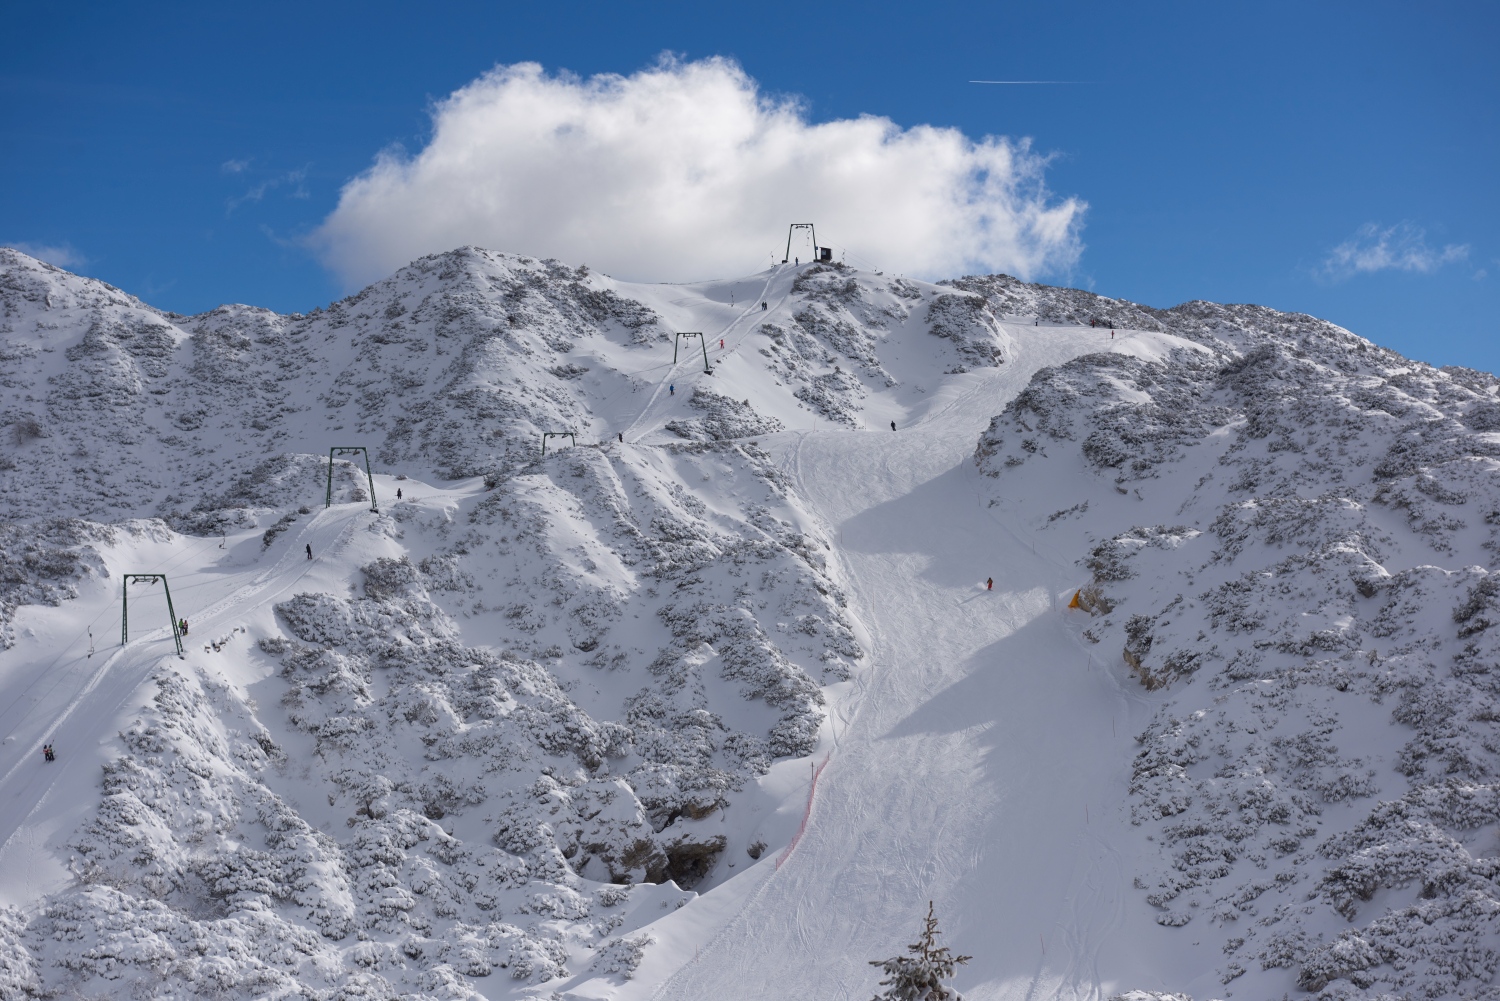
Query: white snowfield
(713,699)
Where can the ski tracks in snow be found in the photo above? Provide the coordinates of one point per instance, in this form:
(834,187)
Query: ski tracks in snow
(27,798)
(1093,911)
(968,752)
(651,413)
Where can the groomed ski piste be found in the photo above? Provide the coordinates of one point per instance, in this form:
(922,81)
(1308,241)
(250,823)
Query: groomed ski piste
(712,699)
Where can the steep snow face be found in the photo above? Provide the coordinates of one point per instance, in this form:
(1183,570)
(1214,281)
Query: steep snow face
(1288,532)
(497,726)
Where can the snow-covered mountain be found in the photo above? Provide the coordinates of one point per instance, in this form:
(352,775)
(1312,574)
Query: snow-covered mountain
(1289,529)
(711,698)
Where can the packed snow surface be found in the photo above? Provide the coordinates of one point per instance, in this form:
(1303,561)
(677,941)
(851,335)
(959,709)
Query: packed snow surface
(712,698)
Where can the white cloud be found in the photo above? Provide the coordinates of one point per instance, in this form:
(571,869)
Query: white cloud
(1402,247)
(62,256)
(234,166)
(684,171)
(295,178)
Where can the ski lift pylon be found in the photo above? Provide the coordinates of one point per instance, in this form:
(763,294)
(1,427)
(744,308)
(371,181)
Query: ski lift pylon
(132,578)
(702,342)
(793,228)
(350,449)
(571,436)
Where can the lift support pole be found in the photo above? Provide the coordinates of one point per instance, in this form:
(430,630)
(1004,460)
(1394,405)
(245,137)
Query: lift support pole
(795,226)
(702,343)
(348,449)
(557,434)
(131,578)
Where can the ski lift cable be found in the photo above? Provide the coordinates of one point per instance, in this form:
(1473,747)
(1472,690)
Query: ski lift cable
(108,609)
(871,264)
(723,332)
(219,606)
(749,311)
(80,634)
(63,676)
(669,367)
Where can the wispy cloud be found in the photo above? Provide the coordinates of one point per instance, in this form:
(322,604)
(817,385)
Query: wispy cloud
(235,166)
(295,179)
(284,242)
(62,255)
(1402,247)
(688,170)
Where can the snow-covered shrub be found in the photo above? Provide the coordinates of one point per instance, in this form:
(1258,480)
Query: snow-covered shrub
(724,418)
(922,972)
(621,955)
(44,563)
(19,974)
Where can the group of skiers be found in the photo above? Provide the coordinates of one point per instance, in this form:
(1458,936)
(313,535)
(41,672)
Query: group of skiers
(182,626)
(47,753)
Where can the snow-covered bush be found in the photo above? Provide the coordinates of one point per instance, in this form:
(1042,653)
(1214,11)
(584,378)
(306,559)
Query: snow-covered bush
(43,564)
(724,419)
(922,972)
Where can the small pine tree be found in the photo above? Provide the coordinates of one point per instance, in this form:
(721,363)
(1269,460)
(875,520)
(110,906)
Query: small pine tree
(919,976)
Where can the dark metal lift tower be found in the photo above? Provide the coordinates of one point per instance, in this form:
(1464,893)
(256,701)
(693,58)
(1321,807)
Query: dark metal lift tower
(558,434)
(131,578)
(702,342)
(819,253)
(341,450)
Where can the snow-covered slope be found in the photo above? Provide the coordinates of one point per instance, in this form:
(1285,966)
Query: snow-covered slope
(709,700)
(1289,531)
(509,693)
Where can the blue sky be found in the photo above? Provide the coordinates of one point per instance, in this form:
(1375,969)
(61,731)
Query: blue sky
(1335,158)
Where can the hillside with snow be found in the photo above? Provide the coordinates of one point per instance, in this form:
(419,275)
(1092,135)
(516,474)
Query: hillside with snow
(711,698)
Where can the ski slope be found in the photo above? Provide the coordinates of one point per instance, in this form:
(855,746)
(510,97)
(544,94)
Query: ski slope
(93,694)
(712,703)
(977,764)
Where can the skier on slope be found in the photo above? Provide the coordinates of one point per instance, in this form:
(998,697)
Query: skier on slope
(398,493)
(721,344)
(989,584)
(893,425)
(47,753)
(309,550)
(183,624)
(672,390)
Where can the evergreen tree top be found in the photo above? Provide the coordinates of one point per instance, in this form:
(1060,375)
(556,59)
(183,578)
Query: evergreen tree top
(919,975)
